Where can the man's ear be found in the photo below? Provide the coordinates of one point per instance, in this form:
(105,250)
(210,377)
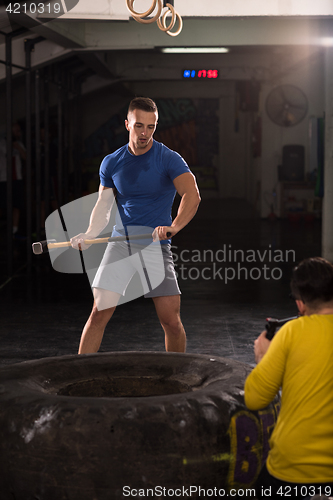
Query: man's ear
(301,306)
(126,124)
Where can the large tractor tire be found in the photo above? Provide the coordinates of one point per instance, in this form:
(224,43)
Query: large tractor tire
(129,424)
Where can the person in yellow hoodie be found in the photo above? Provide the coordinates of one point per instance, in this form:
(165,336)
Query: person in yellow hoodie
(299,362)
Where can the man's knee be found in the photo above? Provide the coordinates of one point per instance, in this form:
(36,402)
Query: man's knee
(105,299)
(173,324)
(101,316)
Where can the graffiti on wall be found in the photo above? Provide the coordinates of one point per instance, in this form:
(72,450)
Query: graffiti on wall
(249,434)
(190,127)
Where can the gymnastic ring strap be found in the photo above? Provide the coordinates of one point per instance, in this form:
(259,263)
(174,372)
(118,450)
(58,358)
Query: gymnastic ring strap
(162,25)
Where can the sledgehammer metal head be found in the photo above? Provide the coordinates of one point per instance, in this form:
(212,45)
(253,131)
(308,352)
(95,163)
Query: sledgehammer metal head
(41,246)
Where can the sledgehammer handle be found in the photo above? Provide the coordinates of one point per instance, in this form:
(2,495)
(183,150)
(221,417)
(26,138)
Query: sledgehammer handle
(63,244)
(103,240)
(43,246)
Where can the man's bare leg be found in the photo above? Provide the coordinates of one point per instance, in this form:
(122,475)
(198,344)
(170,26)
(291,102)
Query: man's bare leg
(101,314)
(168,311)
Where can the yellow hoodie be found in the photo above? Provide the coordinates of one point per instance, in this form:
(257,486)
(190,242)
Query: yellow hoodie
(300,362)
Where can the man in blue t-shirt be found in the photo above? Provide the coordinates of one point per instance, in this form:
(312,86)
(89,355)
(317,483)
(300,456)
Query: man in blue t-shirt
(143,176)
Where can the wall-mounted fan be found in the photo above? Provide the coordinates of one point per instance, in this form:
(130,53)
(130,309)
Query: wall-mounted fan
(286,105)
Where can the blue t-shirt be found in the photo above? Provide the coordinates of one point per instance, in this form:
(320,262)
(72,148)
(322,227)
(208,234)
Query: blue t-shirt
(144,184)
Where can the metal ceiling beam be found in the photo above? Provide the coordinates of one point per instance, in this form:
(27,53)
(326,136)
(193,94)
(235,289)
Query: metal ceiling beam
(116,9)
(215,32)
(57,31)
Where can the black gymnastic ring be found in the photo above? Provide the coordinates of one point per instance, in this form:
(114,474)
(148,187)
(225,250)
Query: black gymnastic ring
(59,442)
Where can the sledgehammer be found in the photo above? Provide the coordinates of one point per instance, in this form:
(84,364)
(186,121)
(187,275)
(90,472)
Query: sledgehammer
(44,246)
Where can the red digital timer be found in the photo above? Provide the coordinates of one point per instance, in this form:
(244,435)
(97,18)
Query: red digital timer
(201,73)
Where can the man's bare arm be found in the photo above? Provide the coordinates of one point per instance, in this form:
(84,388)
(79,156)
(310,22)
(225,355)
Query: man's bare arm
(187,188)
(99,218)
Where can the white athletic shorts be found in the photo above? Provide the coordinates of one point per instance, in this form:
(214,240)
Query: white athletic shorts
(153,263)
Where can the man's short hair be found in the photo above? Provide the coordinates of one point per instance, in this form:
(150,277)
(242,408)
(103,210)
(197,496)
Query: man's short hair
(312,280)
(144,104)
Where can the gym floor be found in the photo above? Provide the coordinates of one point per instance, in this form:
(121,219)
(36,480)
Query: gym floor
(43,312)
